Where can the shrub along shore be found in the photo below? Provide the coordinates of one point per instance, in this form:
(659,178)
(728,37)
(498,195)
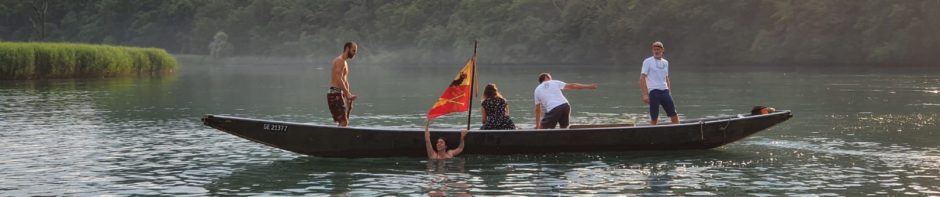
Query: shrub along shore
(33,60)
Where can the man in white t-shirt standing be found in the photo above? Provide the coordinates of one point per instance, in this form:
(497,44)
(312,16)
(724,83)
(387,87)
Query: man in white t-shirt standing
(548,97)
(654,81)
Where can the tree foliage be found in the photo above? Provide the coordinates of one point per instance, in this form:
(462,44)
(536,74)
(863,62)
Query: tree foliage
(510,31)
(220,46)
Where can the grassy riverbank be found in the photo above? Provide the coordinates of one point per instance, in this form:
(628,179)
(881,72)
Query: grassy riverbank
(20,60)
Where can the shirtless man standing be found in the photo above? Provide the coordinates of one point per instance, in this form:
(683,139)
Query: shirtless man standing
(339,98)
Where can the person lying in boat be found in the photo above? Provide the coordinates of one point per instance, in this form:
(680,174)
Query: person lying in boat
(758,110)
(442,152)
(495,110)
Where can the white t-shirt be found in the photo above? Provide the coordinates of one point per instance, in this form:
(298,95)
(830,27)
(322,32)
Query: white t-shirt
(549,94)
(656,72)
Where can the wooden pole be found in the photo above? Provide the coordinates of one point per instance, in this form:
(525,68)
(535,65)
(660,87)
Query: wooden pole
(473,84)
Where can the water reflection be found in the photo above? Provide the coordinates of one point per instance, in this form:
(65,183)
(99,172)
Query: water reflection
(304,175)
(346,177)
(853,135)
(648,173)
(446,178)
(659,180)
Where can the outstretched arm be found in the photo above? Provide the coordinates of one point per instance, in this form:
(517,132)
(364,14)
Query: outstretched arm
(427,142)
(578,86)
(459,149)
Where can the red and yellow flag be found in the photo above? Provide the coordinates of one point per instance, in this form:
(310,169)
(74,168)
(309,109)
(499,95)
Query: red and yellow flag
(456,97)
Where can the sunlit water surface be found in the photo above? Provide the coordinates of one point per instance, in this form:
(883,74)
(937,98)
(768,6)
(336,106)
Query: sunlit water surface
(856,132)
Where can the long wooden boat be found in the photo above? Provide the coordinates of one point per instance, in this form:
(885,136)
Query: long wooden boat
(353,142)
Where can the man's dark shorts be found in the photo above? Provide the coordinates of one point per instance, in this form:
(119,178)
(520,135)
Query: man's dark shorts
(661,97)
(558,115)
(337,102)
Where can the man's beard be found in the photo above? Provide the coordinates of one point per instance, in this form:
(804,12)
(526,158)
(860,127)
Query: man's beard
(350,55)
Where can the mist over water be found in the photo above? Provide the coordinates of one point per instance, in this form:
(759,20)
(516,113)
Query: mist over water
(855,132)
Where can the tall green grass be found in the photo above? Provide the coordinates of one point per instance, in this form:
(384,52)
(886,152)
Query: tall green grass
(66,60)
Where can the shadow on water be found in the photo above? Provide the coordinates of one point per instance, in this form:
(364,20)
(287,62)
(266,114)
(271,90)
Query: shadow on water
(645,173)
(346,177)
(307,175)
(649,173)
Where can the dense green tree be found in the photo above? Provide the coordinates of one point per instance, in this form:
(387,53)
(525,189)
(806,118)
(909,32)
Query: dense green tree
(220,47)
(720,32)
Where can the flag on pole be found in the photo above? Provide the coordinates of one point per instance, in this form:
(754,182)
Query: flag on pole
(456,97)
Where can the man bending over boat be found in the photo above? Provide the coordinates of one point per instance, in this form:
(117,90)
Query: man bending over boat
(339,98)
(442,152)
(548,96)
(654,82)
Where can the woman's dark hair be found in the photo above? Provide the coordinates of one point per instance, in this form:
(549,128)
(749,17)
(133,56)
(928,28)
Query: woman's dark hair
(491,92)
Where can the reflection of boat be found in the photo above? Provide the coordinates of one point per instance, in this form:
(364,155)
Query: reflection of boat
(303,175)
(331,141)
(278,176)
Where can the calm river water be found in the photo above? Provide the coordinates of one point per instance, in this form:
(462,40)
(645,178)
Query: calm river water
(855,132)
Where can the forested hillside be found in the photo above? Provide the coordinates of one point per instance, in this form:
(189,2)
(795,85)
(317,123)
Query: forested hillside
(715,32)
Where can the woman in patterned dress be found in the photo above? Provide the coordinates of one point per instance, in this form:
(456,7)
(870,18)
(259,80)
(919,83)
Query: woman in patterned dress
(495,110)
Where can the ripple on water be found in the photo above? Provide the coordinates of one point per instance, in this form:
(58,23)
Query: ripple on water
(61,143)
(899,159)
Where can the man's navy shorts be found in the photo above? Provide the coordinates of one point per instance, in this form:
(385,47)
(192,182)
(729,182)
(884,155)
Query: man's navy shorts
(661,97)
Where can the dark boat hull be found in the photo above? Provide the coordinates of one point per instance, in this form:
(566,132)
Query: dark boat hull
(331,141)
